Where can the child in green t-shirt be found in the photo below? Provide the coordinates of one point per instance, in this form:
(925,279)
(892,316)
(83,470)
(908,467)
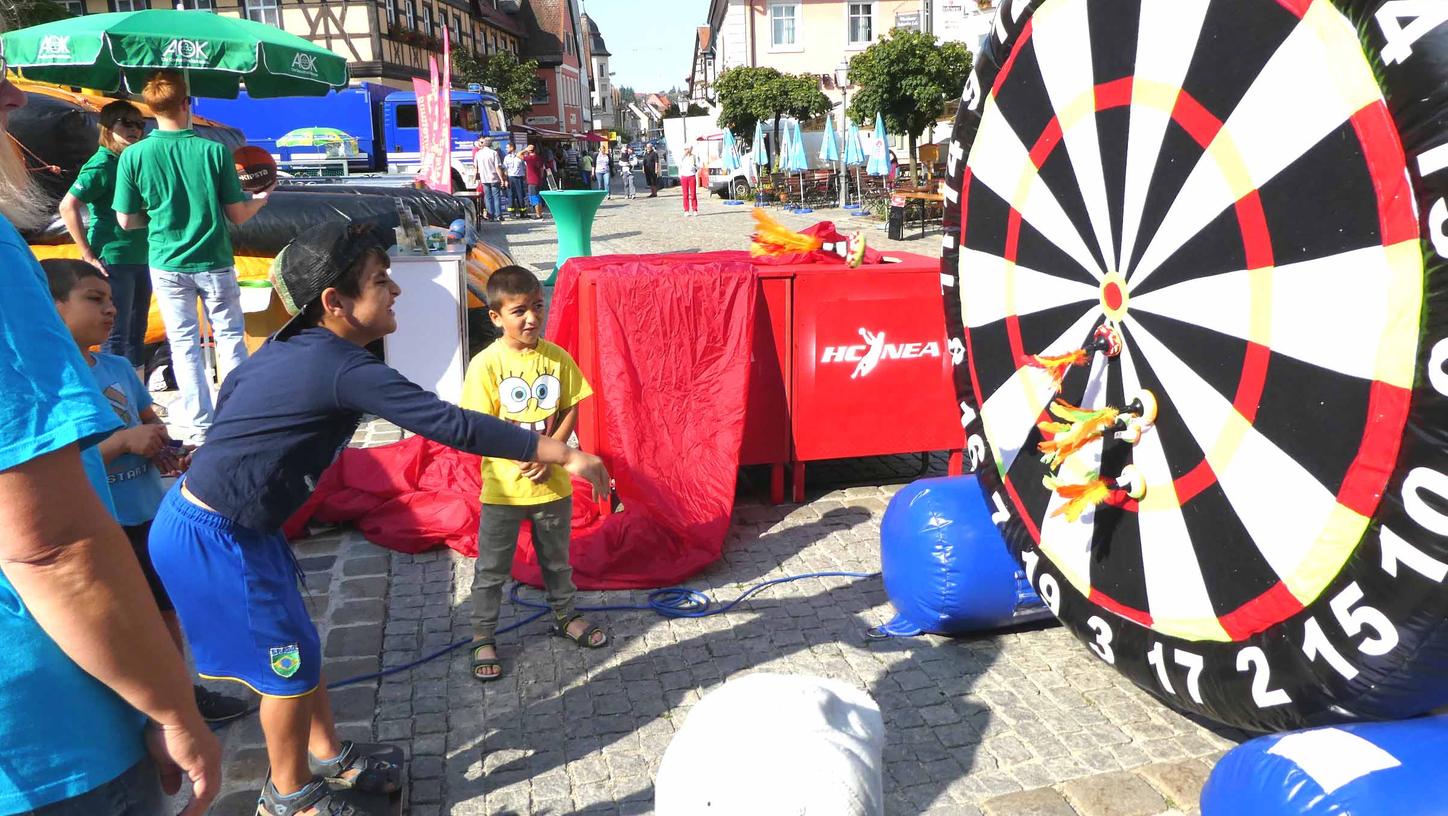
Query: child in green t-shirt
(530,382)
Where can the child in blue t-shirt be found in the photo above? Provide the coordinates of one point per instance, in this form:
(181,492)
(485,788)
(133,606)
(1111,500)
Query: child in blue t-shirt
(140,453)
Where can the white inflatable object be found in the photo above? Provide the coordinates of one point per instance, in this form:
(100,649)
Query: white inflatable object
(771,744)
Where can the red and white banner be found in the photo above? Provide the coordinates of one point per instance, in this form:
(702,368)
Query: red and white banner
(434,121)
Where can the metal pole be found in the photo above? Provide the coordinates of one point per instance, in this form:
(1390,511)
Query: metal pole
(844,132)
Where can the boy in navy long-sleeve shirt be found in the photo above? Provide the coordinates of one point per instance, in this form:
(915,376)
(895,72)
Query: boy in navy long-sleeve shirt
(282,419)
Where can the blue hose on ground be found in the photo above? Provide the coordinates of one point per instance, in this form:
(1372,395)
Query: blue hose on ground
(671,602)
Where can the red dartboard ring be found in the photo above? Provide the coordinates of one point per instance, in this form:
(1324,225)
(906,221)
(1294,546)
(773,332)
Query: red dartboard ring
(1227,184)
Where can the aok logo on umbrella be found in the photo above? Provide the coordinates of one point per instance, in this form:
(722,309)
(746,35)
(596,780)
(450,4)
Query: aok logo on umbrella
(305,63)
(186,52)
(54,47)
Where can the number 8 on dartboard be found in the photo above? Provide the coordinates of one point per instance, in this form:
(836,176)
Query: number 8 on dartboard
(1188,247)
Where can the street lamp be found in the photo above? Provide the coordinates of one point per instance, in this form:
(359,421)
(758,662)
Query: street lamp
(842,80)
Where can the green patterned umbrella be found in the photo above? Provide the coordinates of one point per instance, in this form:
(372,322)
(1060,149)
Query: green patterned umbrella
(316,136)
(109,52)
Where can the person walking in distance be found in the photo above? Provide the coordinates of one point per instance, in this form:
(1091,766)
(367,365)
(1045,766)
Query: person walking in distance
(183,190)
(626,169)
(533,173)
(490,179)
(651,170)
(517,187)
(689,181)
(601,167)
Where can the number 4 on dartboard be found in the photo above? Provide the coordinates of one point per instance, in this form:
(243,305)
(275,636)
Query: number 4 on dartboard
(1423,16)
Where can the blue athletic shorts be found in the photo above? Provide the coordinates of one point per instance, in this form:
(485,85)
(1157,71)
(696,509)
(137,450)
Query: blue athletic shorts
(237,595)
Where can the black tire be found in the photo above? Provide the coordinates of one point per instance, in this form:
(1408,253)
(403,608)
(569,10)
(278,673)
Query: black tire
(740,190)
(1286,566)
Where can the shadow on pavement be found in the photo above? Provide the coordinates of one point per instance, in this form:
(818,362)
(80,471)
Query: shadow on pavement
(615,724)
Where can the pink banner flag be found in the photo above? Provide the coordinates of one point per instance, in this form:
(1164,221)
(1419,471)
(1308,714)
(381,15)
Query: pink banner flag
(434,122)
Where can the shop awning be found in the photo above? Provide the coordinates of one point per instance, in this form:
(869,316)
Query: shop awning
(548,134)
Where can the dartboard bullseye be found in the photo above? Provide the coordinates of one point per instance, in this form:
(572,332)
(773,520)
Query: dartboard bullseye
(1227,210)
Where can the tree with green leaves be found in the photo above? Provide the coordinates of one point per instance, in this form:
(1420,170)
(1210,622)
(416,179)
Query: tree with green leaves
(514,81)
(907,77)
(747,95)
(24,13)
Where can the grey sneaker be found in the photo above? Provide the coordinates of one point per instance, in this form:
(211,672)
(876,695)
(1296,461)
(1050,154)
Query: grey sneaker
(313,800)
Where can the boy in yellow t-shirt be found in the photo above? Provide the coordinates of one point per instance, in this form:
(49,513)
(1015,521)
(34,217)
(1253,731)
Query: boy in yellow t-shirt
(529,381)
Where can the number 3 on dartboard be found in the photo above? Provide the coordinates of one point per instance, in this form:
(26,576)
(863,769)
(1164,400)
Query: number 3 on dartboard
(1102,645)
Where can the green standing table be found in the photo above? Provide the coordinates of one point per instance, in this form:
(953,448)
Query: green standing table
(573,212)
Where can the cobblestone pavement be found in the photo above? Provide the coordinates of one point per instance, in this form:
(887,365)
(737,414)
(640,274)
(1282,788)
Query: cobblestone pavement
(1002,723)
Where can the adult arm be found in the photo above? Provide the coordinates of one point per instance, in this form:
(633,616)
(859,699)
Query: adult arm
(71,213)
(132,221)
(126,201)
(242,211)
(78,576)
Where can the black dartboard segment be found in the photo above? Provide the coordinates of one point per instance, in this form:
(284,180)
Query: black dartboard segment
(1245,190)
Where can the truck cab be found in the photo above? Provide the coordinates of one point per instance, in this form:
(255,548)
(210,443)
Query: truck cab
(474,116)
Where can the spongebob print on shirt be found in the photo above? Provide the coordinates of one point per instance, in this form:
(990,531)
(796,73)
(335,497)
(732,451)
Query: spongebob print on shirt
(534,389)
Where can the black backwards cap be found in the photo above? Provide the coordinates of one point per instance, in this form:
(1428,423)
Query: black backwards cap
(316,259)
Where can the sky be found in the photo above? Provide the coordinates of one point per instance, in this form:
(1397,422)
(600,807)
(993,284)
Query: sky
(651,41)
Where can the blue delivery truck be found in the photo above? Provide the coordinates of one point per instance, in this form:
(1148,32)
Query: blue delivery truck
(383,120)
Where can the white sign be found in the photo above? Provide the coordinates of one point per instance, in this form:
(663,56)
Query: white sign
(869,354)
(960,21)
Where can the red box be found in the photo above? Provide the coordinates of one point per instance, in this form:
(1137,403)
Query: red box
(872,370)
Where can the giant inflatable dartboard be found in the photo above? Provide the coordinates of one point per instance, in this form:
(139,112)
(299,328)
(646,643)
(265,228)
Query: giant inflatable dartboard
(1247,198)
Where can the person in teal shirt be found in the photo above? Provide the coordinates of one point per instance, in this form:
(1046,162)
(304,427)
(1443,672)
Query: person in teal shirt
(121,254)
(87,659)
(184,191)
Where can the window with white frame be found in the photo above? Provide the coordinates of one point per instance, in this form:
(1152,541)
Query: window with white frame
(264,11)
(75,7)
(391,7)
(861,23)
(130,5)
(427,27)
(784,25)
(409,13)
(198,5)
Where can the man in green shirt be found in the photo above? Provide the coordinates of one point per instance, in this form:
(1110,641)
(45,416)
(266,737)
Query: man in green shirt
(183,189)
